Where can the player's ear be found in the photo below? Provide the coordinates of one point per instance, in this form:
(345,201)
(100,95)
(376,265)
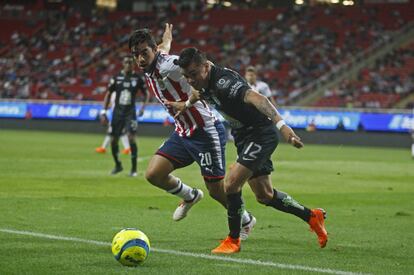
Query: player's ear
(206,66)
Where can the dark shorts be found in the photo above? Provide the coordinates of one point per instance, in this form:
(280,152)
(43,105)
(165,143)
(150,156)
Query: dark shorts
(122,125)
(206,147)
(255,147)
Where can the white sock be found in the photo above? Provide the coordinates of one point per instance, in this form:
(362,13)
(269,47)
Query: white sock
(245,217)
(106,141)
(183,191)
(125,141)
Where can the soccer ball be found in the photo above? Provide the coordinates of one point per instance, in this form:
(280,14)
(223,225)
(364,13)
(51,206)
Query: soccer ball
(130,247)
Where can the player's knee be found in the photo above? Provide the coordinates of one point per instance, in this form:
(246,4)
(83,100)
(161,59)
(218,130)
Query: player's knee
(151,176)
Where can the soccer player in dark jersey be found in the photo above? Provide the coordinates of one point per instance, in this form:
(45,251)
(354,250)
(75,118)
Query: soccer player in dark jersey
(254,121)
(198,136)
(125,85)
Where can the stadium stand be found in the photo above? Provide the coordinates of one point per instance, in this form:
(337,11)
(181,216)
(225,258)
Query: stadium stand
(391,79)
(68,55)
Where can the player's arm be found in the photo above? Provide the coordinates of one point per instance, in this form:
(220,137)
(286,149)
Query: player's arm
(165,45)
(265,107)
(181,106)
(146,101)
(272,100)
(103,116)
(107,99)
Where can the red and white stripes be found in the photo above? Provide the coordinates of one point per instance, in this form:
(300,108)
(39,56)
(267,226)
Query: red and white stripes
(168,84)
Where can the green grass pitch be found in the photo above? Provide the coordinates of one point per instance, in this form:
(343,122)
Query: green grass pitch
(55,184)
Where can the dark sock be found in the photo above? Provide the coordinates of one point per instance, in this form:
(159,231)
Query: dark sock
(134,155)
(115,153)
(283,202)
(235,208)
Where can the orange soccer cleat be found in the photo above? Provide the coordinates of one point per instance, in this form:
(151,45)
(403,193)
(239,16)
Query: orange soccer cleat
(126,151)
(317,225)
(228,246)
(100,150)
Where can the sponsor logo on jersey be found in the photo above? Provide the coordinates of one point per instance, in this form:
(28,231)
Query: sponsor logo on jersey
(236,86)
(127,84)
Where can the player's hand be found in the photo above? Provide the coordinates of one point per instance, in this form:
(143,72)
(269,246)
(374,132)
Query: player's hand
(195,93)
(167,36)
(291,137)
(179,107)
(103,119)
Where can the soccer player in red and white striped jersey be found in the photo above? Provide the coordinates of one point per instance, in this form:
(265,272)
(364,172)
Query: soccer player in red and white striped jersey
(167,83)
(198,135)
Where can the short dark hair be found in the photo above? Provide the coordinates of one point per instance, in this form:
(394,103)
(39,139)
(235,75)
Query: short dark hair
(190,55)
(141,36)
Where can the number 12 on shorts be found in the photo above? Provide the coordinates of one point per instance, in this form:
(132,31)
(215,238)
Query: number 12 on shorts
(251,151)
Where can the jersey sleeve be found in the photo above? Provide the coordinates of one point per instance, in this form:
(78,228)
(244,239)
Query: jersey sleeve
(111,85)
(232,87)
(168,68)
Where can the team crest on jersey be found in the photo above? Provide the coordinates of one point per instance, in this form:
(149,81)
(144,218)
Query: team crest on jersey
(223,83)
(161,83)
(134,83)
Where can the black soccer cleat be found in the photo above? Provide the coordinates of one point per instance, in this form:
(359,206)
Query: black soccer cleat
(117,169)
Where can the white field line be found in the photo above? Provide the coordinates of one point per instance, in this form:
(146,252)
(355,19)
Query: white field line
(188,254)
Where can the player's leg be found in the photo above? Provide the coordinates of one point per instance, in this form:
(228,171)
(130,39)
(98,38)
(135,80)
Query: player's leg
(117,126)
(207,147)
(170,156)
(267,195)
(131,129)
(216,191)
(253,146)
(412,149)
(105,143)
(125,143)
(115,155)
(134,154)
(235,179)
